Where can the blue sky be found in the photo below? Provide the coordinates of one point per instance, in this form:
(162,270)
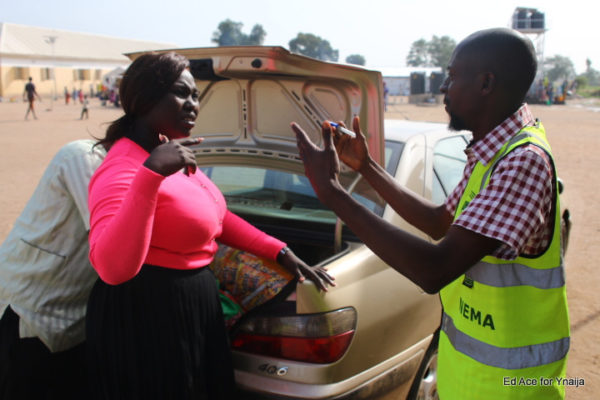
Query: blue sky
(381,30)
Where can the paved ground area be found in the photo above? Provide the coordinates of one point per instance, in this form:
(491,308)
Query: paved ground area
(28,146)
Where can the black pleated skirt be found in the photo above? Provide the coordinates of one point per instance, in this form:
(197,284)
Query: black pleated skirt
(160,335)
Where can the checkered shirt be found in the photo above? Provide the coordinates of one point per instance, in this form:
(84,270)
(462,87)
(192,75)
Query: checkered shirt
(516,206)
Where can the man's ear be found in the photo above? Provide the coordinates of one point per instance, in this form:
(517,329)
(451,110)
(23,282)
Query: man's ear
(488,83)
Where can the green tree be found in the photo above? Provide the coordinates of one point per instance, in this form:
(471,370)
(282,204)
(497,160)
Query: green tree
(356,59)
(313,46)
(592,75)
(433,53)
(418,56)
(581,81)
(559,68)
(229,33)
(440,50)
(257,36)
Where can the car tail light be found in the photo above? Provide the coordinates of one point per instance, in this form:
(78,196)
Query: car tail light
(315,338)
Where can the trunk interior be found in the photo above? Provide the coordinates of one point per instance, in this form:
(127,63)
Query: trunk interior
(313,243)
(313,246)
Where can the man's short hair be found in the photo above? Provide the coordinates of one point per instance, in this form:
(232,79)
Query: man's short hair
(508,54)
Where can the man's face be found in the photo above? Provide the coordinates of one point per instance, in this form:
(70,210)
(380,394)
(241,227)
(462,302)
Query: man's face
(460,91)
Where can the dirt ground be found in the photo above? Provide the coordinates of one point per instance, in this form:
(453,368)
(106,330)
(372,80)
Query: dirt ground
(572,130)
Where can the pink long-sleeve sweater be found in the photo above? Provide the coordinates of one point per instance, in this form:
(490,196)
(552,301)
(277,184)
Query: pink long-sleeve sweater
(138,216)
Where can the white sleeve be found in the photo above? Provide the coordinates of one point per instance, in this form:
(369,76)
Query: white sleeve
(80,160)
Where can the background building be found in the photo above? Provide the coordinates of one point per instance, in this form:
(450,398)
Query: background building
(398,80)
(417,84)
(59,60)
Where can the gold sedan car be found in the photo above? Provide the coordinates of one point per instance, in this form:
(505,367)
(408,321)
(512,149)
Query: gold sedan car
(375,331)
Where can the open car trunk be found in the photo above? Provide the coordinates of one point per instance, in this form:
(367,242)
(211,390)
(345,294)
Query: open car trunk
(244,276)
(248,96)
(289,340)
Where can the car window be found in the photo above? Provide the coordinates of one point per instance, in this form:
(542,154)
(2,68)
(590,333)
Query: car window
(236,178)
(274,193)
(449,161)
(278,193)
(393,150)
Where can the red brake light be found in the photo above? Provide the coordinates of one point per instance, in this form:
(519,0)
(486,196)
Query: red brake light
(315,338)
(313,350)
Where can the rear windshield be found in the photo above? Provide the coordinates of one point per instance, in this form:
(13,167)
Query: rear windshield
(282,194)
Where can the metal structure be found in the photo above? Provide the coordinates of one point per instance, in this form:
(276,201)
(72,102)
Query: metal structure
(531,23)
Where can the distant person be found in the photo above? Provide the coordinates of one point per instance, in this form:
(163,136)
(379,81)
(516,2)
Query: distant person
(103,97)
(67,96)
(386,93)
(84,109)
(30,94)
(45,280)
(550,94)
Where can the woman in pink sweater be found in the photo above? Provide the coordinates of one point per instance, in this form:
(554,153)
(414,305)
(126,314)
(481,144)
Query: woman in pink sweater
(155,328)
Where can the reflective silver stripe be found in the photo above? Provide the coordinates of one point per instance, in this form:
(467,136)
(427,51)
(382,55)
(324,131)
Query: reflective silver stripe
(507,358)
(505,275)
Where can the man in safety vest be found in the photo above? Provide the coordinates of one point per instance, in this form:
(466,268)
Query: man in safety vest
(498,265)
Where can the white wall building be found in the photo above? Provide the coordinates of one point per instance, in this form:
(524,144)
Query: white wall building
(58,59)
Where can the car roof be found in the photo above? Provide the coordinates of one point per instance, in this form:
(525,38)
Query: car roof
(402,130)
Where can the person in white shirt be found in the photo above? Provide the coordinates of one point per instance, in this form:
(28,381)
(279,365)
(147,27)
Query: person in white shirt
(45,280)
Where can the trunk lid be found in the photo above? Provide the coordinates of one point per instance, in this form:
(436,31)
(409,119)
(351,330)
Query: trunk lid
(249,95)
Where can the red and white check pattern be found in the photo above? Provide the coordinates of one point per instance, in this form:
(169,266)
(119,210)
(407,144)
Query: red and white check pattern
(515,208)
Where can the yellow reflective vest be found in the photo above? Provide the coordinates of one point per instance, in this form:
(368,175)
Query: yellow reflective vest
(505,325)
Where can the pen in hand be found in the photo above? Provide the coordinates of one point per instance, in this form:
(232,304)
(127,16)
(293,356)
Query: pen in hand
(342,129)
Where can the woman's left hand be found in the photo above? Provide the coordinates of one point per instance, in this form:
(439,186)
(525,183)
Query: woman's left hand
(318,275)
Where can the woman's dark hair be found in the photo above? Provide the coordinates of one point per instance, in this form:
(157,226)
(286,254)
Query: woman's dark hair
(146,81)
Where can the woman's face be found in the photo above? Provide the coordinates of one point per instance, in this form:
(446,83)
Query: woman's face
(175,114)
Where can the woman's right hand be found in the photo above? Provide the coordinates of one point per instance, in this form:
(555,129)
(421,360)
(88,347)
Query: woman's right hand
(171,156)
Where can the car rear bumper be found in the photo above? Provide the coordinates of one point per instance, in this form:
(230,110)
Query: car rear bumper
(394,373)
